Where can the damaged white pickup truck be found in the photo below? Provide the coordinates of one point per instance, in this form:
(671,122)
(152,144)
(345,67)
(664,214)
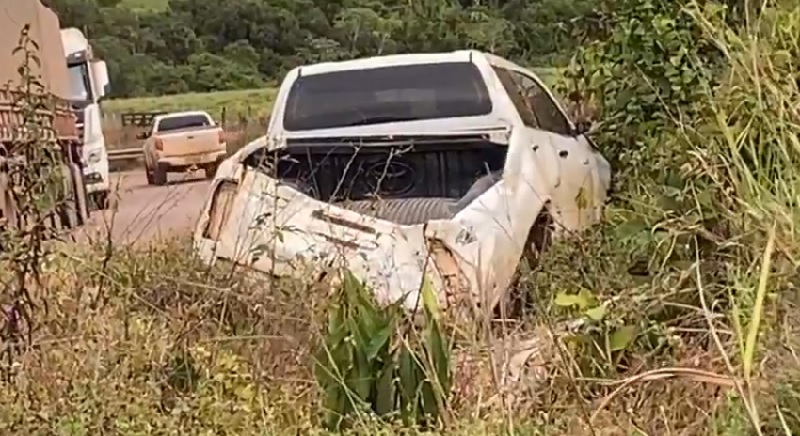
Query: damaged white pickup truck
(405,169)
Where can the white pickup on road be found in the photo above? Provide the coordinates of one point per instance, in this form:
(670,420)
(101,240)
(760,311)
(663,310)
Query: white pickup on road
(180,141)
(444,167)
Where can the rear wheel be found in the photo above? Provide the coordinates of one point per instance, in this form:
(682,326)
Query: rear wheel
(404,211)
(518,299)
(210,170)
(159,175)
(149,174)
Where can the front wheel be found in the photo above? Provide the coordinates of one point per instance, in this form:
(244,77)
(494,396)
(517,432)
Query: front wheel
(68,207)
(81,194)
(100,200)
(518,299)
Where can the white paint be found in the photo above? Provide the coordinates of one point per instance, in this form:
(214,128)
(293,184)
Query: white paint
(486,238)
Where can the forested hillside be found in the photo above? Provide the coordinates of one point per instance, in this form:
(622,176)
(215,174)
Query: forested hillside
(158,47)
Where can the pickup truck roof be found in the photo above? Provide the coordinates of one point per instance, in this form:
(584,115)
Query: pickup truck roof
(401,59)
(451,99)
(158,119)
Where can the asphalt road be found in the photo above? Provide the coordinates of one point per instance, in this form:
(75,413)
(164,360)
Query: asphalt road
(142,213)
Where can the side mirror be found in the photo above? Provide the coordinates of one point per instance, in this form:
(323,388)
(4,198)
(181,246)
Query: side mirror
(102,85)
(143,135)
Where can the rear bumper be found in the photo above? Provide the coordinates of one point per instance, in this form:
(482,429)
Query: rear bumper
(193,159)
(96,183)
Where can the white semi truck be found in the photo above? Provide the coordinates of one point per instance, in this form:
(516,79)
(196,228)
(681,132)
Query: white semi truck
(88,84)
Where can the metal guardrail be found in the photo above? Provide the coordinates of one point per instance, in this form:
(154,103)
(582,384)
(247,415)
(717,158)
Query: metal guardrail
(124,153)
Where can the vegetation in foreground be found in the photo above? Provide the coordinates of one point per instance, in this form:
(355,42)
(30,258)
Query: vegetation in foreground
(687,295)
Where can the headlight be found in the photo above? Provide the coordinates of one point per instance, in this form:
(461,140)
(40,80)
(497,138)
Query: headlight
(94,157)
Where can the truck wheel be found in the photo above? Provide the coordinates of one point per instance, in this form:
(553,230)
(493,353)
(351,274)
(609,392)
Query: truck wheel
(211,170)
(81,194)
(67,209)
(404,211)
(100,200)
(148,173)
(518,299)
(159,175)
(8,208)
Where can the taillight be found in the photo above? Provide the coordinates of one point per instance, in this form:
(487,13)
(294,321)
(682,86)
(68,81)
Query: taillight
(221,137)
(159,144)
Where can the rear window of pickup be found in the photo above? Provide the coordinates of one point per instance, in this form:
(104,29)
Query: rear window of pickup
(183,122)
(386,94)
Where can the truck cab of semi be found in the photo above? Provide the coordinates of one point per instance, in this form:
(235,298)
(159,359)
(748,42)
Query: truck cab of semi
(88,83)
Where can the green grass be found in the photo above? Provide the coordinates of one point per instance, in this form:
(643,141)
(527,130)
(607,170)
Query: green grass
(252,102)
(145,5)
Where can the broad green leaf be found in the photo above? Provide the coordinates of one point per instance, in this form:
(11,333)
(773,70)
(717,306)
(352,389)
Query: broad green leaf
(430,300)
(583,299)
(622,338)
(378,340)
(587,298)
(567,300)
(384,388)
(596,313)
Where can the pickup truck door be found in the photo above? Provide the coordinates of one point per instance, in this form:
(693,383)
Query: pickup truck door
(585,175)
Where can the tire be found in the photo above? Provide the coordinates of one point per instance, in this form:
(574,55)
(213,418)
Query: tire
(100,200)
(404,211)
(148,173)
(81,194)
(67,209)
(8,209)
(159,175)
(518,300)
(210,170)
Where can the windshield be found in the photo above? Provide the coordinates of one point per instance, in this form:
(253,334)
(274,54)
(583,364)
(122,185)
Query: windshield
(183,122)
(387,94)
(79,86)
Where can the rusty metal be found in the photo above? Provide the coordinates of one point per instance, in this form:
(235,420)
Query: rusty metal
(55,122)
(320,215)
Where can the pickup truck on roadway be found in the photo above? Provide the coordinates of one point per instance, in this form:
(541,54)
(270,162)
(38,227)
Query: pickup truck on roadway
(439,168)
(182,141)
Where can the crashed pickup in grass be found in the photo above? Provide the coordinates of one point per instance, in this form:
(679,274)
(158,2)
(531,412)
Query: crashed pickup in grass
(406,169)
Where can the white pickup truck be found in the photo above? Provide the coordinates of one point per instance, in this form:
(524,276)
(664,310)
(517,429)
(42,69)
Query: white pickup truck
(180,141)
(441,167)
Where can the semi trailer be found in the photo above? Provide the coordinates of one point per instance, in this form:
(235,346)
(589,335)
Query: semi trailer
(57,121)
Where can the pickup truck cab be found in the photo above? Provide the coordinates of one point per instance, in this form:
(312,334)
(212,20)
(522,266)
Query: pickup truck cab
(438,168)
(182,141)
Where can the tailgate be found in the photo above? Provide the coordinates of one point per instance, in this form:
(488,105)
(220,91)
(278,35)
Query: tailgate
(191,142)
(285,232)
